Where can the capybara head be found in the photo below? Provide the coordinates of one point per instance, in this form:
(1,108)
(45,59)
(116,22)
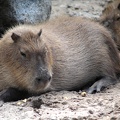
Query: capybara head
(29,61)
(110,18)
(111,13)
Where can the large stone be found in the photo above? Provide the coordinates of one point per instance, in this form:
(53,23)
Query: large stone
(23,11)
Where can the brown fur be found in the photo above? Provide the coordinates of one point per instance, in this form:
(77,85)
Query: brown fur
(76,51)
(110,18)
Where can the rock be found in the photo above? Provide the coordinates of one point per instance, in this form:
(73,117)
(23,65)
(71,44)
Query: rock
(23,11)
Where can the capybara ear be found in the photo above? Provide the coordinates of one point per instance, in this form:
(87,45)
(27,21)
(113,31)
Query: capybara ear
(15,37)
(119,6)
(40,32)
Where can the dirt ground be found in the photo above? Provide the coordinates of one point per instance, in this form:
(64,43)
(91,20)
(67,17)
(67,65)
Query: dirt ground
(68,105)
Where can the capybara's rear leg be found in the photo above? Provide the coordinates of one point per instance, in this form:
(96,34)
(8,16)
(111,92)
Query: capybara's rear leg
(101,84)
(13,94)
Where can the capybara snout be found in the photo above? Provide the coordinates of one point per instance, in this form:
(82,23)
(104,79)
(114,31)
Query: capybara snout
(42,75)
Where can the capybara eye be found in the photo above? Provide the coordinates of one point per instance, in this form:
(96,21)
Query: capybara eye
(119,6)
(118,18)
(23,54)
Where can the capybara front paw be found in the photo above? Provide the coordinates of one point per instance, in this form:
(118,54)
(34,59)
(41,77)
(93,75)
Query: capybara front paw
(101,84)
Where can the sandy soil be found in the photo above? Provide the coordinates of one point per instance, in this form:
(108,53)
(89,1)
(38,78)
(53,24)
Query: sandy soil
(66,105)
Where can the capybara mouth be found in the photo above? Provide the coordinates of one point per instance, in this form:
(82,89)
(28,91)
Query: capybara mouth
(40,86)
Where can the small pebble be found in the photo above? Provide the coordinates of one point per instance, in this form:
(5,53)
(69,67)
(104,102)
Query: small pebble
(90,111)
(83,94)
(19,103)
(25,100)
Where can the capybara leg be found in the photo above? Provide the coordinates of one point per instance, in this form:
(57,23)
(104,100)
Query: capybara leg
(13,94)
(101,84)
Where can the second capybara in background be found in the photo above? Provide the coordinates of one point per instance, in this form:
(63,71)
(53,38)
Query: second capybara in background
(66,53)
(110,18)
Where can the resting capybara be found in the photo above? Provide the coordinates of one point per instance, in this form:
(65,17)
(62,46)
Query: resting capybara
(110,18)
(62,54)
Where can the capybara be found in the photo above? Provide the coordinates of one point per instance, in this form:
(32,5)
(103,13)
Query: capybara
(110,18)
(67,53)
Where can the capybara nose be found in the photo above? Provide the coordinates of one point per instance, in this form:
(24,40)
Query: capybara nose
(38,79)
(43,78)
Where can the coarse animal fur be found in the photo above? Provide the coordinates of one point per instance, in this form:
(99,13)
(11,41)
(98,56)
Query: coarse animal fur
(62,54)
(110,18)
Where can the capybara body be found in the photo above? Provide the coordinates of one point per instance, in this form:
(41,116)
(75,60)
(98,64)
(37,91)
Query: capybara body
(110,18)
(62,54)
